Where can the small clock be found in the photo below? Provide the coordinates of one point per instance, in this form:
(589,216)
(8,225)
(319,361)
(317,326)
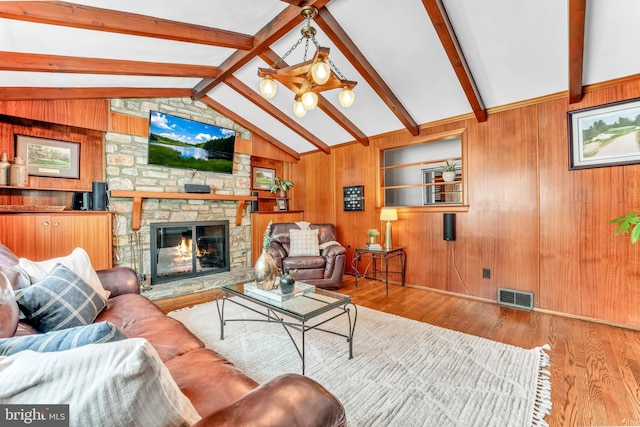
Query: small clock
(353,198)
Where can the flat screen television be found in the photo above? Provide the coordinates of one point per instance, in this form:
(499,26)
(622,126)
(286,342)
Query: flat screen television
(183,143)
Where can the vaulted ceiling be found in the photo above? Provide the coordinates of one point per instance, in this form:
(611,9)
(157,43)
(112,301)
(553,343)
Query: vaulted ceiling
(415,61)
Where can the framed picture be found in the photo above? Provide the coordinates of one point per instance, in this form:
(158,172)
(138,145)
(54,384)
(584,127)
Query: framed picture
(606,135)
(282,204)
(49,157)
(263,178)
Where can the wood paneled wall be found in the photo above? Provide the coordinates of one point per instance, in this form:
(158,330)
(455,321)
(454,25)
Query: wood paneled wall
(538,226)
(92,160)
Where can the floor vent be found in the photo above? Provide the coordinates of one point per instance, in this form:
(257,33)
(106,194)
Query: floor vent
(516,299)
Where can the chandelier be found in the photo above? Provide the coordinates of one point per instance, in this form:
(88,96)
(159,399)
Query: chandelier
(310,77)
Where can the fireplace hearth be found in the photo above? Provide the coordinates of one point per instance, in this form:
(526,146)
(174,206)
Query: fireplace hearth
(188,249)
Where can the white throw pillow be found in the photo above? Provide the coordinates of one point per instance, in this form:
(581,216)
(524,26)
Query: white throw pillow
(304,242)
(77,261)
(122,383)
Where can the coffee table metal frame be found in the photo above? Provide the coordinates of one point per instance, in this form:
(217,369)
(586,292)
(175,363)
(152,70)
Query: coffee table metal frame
(319,302)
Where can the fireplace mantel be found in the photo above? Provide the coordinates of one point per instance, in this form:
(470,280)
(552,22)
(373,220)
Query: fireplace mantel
(139,195)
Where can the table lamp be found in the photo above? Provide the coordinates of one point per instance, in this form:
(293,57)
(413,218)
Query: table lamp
(388,214)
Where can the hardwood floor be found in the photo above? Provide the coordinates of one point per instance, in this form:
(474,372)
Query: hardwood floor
(595,369)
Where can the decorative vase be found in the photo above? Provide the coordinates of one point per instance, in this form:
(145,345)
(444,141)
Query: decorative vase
(283,194)
(372,240)
(18,173)
(448,176)
(286,282)
(266,271)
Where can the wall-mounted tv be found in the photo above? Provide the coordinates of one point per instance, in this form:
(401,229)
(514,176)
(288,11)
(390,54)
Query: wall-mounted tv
(183,143)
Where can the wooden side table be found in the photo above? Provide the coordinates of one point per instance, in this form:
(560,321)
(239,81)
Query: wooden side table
(375,256)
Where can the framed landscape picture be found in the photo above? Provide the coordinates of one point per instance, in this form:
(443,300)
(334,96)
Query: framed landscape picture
(263,178)
(606,135)
(49,157)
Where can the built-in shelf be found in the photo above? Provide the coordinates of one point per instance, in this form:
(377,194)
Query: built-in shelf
(137,197)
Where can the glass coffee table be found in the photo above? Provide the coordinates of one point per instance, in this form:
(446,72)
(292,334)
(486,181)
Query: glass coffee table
(299,313)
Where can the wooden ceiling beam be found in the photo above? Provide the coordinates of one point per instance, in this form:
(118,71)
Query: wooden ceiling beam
(577,13)
(286,21)
(43,93)
(444,29)
(270,57)
(244,90)
(97,19)
(250,126)
(33,62)
(339,37)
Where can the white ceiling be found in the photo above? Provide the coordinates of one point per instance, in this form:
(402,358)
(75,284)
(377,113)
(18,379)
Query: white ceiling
(515,50)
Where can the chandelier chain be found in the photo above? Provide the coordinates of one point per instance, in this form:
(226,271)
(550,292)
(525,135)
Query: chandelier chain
(283,57)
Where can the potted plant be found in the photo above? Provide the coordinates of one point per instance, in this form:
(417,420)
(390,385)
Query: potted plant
(628,225)
(449,170)
(281,185)
(373,233)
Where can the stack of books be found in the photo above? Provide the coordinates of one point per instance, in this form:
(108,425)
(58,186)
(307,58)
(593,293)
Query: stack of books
(374,246)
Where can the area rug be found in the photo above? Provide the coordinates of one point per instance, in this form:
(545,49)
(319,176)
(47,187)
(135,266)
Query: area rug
(403,373)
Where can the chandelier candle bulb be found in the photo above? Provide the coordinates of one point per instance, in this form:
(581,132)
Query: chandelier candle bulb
(320,72)
(346,97)
(268,87)
(309,100)
(299,109)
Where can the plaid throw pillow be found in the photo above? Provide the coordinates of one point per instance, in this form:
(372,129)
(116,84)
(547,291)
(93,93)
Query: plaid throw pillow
(60,300)
(304,243)
(66,339)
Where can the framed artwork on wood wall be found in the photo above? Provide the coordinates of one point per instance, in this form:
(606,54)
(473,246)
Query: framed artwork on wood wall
(282,204)
(49,157)
(605,135)
(263,178)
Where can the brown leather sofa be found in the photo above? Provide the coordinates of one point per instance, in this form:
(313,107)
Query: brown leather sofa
(325,270)
(221,394)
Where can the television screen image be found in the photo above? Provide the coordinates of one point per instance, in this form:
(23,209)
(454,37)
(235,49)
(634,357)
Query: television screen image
(183,143)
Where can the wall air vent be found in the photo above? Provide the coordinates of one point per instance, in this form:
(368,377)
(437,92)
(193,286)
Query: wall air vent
(517,299)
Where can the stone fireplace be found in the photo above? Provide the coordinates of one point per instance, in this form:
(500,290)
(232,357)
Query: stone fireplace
(188,249)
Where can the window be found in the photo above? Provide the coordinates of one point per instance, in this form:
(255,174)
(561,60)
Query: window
(411,175)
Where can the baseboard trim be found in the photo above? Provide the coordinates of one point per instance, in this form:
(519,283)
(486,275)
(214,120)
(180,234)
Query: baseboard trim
(541,310)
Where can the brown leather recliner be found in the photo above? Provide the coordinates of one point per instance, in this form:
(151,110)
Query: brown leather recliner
(325,270)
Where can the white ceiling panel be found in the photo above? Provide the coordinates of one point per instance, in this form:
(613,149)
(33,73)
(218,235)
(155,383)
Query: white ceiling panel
(246,16)
(403,47)
(515,49)
(19,36)
(612,35)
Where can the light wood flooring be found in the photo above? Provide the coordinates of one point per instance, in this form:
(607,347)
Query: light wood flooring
(595,369)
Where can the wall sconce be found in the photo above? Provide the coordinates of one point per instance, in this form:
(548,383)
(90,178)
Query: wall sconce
(388,214)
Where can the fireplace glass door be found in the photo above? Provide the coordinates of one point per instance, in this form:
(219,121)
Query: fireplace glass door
(188,249)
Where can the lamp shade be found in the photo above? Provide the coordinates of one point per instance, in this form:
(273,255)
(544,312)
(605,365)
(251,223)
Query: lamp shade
(320,72)
(388,214)
(299,109)
(309,100)
(346,97)
(268,87)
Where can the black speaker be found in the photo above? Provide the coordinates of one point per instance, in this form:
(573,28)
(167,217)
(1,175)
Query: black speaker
(99,196)
(254,203)
(81,201)
(449,226)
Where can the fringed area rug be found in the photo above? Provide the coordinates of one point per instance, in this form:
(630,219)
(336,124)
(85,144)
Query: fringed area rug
(403,373)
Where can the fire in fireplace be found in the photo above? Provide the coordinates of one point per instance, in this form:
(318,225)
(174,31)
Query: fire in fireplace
(188,249)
